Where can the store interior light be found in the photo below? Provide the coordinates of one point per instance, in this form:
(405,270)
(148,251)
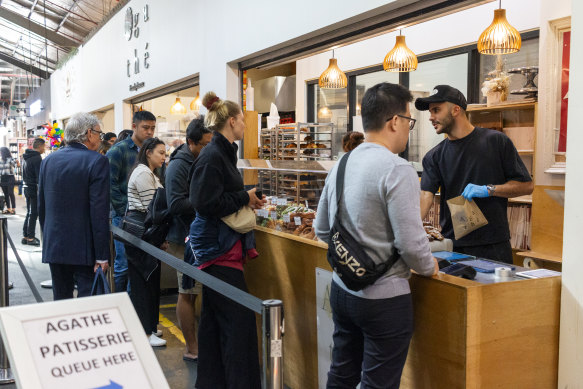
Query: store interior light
(333,77)
(500,37)
(177,108)
(400,58)
(196,103)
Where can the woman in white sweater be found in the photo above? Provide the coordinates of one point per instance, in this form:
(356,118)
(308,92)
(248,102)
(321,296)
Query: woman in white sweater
(143,269)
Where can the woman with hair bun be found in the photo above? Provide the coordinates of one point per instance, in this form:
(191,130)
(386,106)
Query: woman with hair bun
(351,140)
(227,352)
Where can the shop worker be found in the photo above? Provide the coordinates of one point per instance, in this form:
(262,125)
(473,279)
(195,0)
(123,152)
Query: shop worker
(182,211)
(122,156)
(73,204)
(373,326)
(479,164)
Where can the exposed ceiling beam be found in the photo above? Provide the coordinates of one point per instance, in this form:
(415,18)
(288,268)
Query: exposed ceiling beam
(9,46)
(32,9)
(37,28)
(24,66)
(69,25)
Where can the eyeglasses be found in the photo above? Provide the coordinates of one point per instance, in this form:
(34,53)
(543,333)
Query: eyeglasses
(411,121)
(101,134)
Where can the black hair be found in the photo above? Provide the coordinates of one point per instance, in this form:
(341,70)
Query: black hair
(5,153)
(140,116)
(37,142)
(108,135)
(123,134)
(381,102)
(148,145)
(196,130)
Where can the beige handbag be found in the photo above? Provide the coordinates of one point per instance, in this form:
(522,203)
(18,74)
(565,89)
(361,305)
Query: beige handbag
(241,221)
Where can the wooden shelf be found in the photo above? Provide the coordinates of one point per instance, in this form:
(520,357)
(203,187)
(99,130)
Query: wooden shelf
(502,107)
(521,200)
(525,152)
(540,256)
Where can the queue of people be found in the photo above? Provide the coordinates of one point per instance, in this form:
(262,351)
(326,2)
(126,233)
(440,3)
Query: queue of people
(373,325)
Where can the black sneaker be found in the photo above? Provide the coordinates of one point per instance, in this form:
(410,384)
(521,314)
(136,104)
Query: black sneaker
(33,242)
(24,241)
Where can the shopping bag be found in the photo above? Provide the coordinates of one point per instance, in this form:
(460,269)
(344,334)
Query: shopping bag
(100,284)
(465,216)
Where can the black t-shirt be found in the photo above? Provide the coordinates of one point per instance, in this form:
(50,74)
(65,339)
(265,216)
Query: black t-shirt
(483,157)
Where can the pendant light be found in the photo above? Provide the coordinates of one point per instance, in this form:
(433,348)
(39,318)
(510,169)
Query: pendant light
(196,103)
(333,77)
(177,108)
(500,37)
(400,58)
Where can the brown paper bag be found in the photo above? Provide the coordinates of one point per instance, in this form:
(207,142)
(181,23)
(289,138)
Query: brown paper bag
(465,216)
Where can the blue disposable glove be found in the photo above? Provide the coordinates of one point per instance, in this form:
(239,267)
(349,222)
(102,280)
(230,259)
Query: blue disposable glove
(472,191)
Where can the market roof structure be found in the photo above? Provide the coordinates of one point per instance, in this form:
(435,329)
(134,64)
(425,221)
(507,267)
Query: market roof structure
(38,35)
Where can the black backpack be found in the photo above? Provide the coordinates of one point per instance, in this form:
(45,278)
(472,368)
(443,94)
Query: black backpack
(158,218)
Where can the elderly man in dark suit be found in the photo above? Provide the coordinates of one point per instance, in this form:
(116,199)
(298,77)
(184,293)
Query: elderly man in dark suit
(73,208)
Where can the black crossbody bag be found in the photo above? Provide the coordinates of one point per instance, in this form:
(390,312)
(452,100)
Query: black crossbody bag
(352,264)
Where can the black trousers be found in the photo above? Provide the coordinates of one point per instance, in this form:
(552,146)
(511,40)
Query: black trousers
(8,190)
(145,294)
(371,340)
(501,252)
(228,357)
(64,277)
(29,227)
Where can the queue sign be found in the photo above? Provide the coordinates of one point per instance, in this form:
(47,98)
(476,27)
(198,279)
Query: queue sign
(93,343)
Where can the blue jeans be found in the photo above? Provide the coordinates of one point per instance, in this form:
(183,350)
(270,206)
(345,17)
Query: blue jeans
(120,263)
(371,340)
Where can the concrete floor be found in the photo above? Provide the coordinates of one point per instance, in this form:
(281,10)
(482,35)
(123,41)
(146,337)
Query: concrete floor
(180,374)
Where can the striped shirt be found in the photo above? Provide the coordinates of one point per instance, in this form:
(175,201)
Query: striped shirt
(7,167)
(141,188)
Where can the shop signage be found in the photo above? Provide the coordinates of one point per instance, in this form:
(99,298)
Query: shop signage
(136,86)
(92,342)
(132,30)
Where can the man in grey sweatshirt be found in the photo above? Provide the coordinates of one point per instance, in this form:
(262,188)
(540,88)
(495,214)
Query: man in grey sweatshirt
(380,208)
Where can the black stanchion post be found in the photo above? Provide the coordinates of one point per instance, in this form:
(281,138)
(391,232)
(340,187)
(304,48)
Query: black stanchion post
(110,278)
(273,329)
(6,376)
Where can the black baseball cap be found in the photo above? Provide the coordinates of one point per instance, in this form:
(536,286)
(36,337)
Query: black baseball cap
(440,94)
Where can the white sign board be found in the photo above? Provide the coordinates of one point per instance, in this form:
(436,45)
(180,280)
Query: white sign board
(92,342)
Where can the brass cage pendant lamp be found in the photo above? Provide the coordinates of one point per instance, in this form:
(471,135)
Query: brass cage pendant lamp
(333,77)
(500,37)
(400,58)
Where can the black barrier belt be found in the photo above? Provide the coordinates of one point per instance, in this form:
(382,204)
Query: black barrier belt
(227,290)
(33,288)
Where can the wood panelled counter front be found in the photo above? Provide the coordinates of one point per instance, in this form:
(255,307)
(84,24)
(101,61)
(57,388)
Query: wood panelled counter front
(467,334)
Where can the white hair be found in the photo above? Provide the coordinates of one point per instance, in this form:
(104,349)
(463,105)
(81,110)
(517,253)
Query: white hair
(77,126)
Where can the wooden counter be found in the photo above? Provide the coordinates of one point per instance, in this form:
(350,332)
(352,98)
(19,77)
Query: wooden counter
(467,334)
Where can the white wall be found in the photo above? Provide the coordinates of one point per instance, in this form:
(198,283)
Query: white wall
(186,37)
(571,342)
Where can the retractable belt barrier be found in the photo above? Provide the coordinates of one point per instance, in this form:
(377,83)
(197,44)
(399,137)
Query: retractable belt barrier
(27,276)
(228,290)
(270,310)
